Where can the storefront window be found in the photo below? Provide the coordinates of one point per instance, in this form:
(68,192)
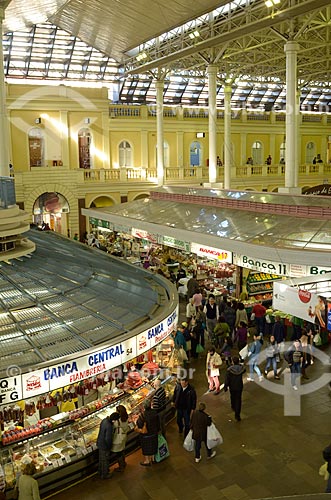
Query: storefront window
(84,148)
(310,152)
(195,154)
(257,153)
(125,154)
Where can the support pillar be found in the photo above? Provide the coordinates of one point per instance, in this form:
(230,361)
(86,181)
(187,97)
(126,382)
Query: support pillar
(105,140)
(159,85)
(291,155)
(4,135)
(64,134)
(212,120)
(144,148)
(227,137)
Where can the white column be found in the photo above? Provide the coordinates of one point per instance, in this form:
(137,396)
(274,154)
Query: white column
(159,85)
(291,154)
(64,134)
(144,148)
(227,136)
(212,120)
(243,146)
(180,149)
(105,140)
(4,143)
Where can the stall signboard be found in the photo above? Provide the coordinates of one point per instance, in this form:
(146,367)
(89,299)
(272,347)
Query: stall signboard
(140,233)
(279,268)
(34,384)
(71,371)
(100,223)
(174,243)
(211,253)
(10,389)
(262,265)
(120,228)
(299,302)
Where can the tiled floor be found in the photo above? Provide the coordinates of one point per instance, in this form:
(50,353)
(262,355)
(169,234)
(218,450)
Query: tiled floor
(265,455)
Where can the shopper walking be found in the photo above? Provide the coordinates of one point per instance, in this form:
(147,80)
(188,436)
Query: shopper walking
(185,401)
(241,335)
(104,442)
(234,382)
(241,315)
(272,353)
(259,312)
(120,430)
(213,364)
(212,314)
(199,424)
(254,350)
(149,441)
(278,331)
(294,356)
(190,311)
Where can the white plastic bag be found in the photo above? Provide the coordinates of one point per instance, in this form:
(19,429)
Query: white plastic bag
(214,437)
(323,471)
(188,444)
(244,352)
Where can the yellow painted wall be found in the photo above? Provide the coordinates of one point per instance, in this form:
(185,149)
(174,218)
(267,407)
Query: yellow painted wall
(133,137)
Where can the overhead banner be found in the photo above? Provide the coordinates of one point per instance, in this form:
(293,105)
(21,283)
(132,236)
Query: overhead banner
(279,268)
(211,253)
(301,303)
(144,235)
(169,241)
(41,381)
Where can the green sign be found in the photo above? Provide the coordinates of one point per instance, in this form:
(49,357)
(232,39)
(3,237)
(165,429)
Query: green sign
(174,243)
(100,223)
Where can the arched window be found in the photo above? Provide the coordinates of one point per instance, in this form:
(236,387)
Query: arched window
(125,154)
(310,152)
(195,154)
(257,153)
(36,147)
(282,151)
(84,148)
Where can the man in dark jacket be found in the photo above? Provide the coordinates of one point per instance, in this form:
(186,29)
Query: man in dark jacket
(185,400)
(234,381)
(104,441)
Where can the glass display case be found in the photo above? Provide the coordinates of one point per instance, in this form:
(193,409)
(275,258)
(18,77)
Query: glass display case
(72,442)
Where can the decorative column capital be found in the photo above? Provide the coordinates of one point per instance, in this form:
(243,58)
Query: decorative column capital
(212,69)
(291,46)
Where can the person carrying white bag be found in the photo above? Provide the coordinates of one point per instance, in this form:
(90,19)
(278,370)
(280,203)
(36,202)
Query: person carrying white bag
(200,423)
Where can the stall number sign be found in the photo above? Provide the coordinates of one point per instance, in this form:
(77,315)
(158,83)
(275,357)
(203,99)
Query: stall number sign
(10,389)
(279,268)
(174,243)
(211,253)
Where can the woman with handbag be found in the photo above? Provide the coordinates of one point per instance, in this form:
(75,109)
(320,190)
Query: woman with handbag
(148,420)
(120,430)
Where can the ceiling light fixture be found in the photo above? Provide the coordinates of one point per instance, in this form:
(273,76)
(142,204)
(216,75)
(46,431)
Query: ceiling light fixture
(194,34)
(141,56)
(271,3)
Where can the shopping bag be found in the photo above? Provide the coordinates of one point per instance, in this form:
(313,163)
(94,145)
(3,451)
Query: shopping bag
(162,449)
(317,340)
(189,442)
(214,437)
(244,352)
(323,471)
(182,354)
(199,349)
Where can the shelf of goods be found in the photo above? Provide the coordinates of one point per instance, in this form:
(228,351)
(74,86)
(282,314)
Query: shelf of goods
(66,447)
(261,285)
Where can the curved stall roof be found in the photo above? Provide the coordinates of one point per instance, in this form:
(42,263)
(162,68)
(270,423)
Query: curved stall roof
(68,298)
